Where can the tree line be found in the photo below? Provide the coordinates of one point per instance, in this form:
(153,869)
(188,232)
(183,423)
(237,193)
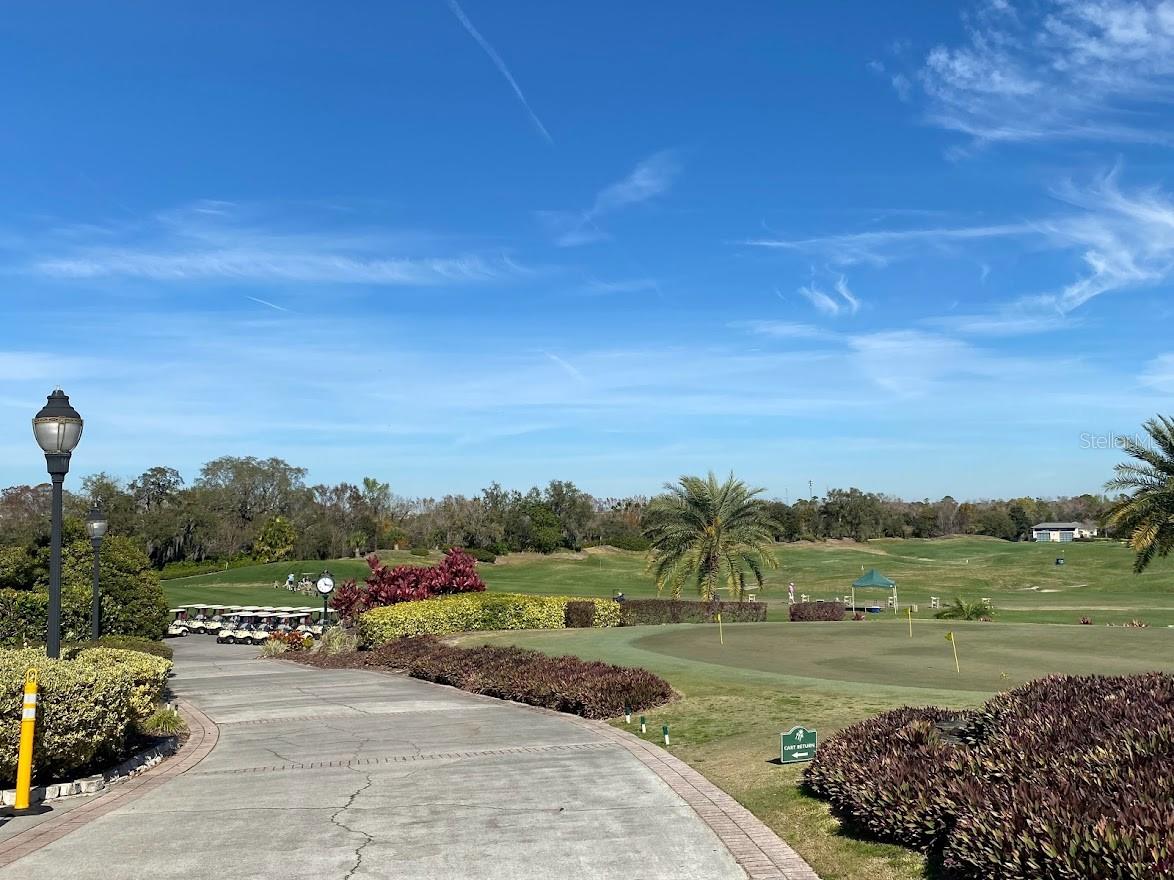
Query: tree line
(265,509)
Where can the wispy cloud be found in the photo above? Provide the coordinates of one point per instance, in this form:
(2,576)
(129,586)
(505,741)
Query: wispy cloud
(500,65)
(192,244)
(624,285)
(844,302)
(1075,69)
(881,247)
(650,178)
(823,302)
(783,329)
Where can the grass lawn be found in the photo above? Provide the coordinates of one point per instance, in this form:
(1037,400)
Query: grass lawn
(737,698)
(1022,579)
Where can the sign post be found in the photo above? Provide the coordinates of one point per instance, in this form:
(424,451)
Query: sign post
(798,744)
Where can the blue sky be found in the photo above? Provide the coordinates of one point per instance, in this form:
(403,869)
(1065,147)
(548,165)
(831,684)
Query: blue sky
(912,247)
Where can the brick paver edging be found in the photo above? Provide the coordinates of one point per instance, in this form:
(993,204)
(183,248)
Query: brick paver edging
(203,734)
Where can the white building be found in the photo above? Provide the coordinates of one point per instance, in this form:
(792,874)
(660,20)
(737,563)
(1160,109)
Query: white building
(1062,531)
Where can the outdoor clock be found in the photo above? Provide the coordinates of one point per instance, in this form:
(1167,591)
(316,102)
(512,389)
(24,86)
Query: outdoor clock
(325,585)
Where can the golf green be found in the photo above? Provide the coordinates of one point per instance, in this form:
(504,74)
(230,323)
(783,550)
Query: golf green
(991,656)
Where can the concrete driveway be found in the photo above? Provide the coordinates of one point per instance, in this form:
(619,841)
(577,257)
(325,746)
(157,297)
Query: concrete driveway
(335,775)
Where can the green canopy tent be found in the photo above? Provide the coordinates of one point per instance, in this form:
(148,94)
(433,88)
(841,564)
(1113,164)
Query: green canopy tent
(874,580)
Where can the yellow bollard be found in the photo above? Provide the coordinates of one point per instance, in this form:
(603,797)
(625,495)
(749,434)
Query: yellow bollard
(28,722)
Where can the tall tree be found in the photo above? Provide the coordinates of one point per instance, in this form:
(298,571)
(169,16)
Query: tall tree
(1147,515)
(711,534)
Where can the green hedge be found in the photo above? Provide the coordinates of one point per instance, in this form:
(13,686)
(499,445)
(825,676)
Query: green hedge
(86,706)
(24,617)
(469,612)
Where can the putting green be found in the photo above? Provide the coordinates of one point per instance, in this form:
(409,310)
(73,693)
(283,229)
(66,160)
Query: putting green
(992,656)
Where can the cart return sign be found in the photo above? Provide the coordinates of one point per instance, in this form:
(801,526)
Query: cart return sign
(798,745)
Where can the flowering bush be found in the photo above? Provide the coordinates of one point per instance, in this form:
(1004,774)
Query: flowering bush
(456,573)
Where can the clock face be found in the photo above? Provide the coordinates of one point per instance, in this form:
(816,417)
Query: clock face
(325,585)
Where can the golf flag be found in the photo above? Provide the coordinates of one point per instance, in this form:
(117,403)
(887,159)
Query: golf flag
(949,637)
(954,645)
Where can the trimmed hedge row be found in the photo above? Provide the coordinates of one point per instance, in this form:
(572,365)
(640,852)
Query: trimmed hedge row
(87,705)
(566,684)
(24,616)
(807,611)
(641,612)
(471,612)
(1065,777)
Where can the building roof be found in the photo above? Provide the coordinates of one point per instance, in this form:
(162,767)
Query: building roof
(1055,526)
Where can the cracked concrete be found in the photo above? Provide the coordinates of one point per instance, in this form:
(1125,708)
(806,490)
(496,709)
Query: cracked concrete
(456,786)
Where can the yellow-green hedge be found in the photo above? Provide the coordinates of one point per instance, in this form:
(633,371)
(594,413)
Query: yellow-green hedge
(149,674)
(468,612)
(83,712)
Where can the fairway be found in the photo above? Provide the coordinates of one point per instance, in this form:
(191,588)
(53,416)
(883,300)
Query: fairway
(1022,579)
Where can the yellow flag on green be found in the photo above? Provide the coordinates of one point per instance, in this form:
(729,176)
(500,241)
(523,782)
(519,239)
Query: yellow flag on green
(950,636)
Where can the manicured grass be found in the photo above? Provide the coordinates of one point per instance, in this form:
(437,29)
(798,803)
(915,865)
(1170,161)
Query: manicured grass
(737,698)
(1021,579)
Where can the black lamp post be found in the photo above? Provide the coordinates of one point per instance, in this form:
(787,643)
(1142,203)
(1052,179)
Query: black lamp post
(96,528)
(58,428)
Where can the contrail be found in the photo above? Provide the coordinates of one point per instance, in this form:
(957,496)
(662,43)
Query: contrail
(266,302)
(496,59)
(570,370)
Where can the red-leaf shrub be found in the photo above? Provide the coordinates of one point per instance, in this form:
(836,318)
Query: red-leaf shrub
(581,687)
(456,573)
(817,611)
(1066,777)
(643,612)
(580,615)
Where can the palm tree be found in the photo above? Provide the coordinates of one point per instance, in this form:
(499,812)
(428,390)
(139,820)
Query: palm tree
(1148,514)
(710,534)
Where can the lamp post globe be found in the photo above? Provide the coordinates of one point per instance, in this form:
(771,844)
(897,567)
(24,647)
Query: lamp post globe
(57,429)
(96,528)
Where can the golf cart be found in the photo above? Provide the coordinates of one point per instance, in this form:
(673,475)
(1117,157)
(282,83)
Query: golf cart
(199,616)
(262,627)
(236,630)
(178,625)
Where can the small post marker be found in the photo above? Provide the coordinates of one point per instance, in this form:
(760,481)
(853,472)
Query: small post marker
(24,761)
(909,613)
(665,730)
(953,644)
(627,714)
(643,725)
(720,635)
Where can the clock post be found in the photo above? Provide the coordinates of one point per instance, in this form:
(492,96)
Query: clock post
(325,586)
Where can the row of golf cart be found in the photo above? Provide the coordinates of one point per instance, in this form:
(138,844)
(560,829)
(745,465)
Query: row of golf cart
(248,624)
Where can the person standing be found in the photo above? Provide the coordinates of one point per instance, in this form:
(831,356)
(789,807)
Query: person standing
(791,593)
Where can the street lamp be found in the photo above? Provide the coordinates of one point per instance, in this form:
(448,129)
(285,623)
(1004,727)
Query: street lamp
(96,528)
(58,428)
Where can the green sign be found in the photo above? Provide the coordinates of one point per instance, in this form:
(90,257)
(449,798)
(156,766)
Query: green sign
(798,745)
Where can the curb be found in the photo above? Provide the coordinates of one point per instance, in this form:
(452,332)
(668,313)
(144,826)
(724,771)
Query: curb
(132,766)
(202,739)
